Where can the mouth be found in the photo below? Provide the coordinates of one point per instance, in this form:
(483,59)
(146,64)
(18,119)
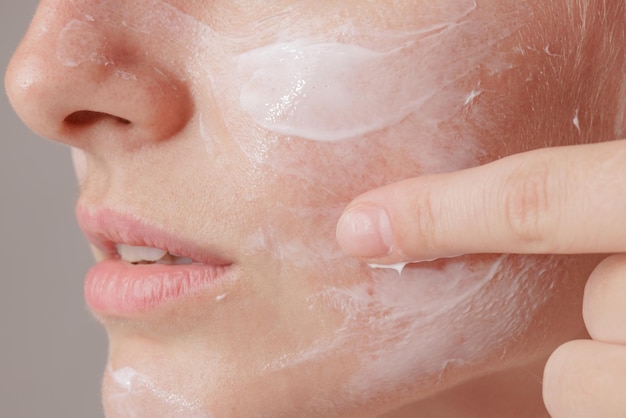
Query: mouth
(145,269)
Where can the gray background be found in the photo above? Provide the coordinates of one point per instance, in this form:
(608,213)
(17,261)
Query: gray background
(52,353)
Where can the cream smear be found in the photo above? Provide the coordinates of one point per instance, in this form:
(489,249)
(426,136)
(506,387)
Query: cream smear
(399,267)
(80,42)
(430,321)
(136,395)
(330,91)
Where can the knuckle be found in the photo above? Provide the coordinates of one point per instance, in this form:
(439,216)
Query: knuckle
(528,203)
(424,213)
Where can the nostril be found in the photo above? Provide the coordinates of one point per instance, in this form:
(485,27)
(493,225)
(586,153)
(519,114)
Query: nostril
(88,117)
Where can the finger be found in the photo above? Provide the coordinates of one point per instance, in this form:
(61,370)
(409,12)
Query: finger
(586,379)
(604,305)
(553,200)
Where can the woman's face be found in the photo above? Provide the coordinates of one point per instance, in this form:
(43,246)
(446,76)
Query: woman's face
(233,133)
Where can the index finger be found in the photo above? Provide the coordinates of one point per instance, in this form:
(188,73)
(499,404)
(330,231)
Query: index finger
(562,200)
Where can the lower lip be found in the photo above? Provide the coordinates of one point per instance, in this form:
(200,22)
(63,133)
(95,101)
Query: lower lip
(116,288)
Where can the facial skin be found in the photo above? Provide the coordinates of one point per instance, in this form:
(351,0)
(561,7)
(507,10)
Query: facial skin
(164,101)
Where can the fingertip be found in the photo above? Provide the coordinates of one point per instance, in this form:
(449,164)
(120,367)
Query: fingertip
(364,231)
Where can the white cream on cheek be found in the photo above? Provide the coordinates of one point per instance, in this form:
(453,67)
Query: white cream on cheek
(326,91)
(429,321)
(329,91)
(411,89)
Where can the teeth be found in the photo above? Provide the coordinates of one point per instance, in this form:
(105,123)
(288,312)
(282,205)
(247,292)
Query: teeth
(174,259)
(149,255)
(139,254)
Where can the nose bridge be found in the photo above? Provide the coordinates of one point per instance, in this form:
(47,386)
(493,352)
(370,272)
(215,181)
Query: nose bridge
(81,42)
(75,79)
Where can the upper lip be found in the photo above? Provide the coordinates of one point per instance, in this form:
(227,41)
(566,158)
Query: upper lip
(105,228)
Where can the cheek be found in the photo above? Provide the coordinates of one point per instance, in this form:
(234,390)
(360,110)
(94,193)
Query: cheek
(300,188)
(436,322)
(329,91)
(333,119)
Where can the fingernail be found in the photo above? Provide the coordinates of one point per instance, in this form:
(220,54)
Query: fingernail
(365,232)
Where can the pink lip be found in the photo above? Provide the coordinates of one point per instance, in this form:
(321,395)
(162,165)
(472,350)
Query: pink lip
(114,287)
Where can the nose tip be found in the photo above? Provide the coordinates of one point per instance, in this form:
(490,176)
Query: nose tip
(73,82)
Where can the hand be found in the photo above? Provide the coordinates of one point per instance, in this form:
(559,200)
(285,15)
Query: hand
(566,200)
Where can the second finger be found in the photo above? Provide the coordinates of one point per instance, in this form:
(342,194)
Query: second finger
(604,305)
(585,379)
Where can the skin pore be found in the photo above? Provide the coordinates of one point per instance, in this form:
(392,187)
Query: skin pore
(246,128)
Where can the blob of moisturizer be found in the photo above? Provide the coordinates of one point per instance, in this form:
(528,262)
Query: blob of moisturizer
(315,90)
(331,91)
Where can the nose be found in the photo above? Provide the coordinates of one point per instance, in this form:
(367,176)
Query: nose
(81,82)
